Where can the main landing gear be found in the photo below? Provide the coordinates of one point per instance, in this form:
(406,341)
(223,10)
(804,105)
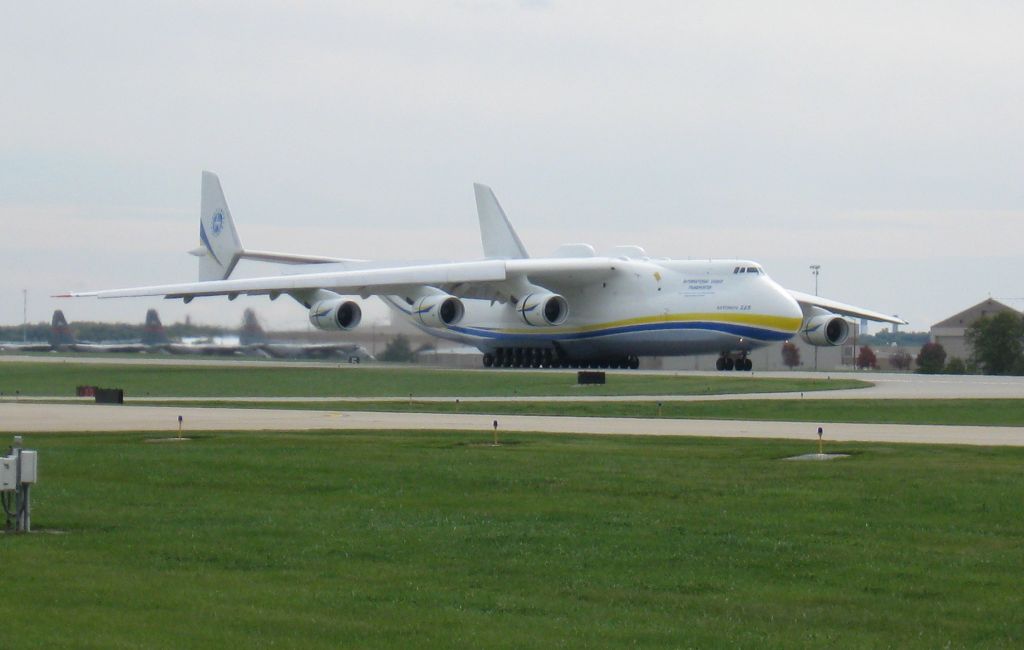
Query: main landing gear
(548,358)
(726,362)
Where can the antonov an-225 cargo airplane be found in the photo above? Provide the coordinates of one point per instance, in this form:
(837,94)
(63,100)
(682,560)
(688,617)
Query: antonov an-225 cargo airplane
(573,309)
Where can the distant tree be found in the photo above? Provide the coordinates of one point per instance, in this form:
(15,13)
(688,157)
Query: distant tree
(931,359)
(866,358)
(790,355)
(397,350)
(996,343)
(900,360)
(956,366)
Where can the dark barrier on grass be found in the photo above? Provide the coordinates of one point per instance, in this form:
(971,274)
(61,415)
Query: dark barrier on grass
(109,396)
(590,377)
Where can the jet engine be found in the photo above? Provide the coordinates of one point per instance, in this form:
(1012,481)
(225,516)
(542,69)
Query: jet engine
(335,314)
(543,309)
(439,311)
(825,329)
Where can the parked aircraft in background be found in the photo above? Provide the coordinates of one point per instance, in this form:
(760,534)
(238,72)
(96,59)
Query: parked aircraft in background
(574,308)
(62,338)
(253,340)
(253,336)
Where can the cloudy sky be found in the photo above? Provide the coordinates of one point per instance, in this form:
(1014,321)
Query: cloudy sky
(883,141)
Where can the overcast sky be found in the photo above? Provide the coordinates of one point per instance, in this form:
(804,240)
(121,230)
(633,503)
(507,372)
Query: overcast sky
(883,141)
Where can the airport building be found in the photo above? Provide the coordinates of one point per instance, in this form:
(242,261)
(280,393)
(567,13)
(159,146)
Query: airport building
(951,333)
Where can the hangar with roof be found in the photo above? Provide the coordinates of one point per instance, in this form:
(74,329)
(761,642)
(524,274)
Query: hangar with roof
(951,333)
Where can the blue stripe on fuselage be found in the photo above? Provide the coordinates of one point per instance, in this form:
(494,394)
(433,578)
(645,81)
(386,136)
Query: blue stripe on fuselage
(746,331)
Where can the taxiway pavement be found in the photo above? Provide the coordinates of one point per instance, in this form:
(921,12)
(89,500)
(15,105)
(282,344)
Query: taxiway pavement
(28,417)
(885,385)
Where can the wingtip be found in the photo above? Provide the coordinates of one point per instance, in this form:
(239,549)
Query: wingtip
(74,294)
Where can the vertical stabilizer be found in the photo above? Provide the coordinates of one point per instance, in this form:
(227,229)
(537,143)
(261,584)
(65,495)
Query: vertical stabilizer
(251,333)
(219,245)
(497,234)
(154,333)
(61,335)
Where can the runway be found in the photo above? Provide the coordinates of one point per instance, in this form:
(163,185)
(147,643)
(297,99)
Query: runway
(27,417)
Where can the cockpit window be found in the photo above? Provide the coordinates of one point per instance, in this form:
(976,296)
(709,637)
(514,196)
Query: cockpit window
(752,269)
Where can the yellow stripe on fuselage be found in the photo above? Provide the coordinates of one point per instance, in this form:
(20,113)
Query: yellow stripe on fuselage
(777,323)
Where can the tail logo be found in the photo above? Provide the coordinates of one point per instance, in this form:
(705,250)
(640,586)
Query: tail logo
(217,224)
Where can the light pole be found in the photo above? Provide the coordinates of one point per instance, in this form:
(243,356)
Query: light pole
(815,269)
(24,315)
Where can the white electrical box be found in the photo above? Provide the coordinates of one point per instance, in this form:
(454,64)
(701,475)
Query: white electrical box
(29,461)
(8,473)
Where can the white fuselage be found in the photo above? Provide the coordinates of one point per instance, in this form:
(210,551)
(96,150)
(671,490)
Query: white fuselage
(652,307)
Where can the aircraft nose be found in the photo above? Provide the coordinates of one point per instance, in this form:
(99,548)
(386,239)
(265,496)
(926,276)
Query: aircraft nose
(789,308)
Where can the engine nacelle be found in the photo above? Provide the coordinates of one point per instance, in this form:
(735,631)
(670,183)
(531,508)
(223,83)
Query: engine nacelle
(335,314)
(439,311)
(825,330)
(543,309)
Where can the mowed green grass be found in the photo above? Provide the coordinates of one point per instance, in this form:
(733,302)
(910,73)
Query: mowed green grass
(440,540)
(980,412)
(242,380)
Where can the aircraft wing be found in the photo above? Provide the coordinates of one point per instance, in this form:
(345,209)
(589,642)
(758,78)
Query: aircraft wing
(806,299)
(488,278)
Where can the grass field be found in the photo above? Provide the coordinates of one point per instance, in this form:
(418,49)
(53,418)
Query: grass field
(980,412)
(265,381)
(439,540)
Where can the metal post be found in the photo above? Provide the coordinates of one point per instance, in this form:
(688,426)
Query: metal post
(815,268)
(22,508)
(24,315)
(24,524)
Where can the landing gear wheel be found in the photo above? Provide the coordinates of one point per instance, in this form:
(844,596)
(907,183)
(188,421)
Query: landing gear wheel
(748,365)
(488,360)
(634,362)
(729,363)
(720,364)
